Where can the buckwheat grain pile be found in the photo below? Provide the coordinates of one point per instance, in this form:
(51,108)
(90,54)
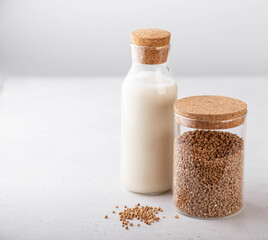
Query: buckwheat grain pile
(146,214)
(208,173)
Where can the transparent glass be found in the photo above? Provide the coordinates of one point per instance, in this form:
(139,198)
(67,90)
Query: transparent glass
(147,97)
(208,169)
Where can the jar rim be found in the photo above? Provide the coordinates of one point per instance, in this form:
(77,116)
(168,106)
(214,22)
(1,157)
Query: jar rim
(210,124)
(205,120)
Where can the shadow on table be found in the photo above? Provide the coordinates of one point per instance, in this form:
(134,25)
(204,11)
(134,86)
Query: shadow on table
(252,211)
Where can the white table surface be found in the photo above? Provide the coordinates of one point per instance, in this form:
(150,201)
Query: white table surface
(60,162)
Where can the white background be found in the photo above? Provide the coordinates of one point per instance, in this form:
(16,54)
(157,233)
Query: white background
(60,122)
(87,37)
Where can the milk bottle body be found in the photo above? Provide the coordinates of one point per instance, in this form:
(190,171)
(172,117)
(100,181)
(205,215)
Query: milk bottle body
(147,97)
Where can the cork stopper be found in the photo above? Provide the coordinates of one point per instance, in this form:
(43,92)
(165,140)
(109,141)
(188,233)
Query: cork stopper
(210,112)
(150,37)
(151,45)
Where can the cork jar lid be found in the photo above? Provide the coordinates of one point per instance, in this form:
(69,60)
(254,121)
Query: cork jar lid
(150,37)
(210,112)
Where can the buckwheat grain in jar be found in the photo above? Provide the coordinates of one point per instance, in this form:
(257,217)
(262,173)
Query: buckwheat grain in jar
(209,156)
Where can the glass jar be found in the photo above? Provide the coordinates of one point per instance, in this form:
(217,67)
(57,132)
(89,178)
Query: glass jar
(148,93)
(209,156)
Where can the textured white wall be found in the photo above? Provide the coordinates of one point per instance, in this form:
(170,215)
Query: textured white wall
(83,37)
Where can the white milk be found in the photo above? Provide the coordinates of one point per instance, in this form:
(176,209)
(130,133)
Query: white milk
(147,132)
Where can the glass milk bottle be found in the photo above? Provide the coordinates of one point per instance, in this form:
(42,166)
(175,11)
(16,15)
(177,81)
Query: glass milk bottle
(148,93)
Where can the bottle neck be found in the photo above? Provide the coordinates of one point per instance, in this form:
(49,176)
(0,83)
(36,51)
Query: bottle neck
(152,56)
(140,62)
(148,67)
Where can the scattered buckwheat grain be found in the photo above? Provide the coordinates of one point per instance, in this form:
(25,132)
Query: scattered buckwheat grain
(145,214)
